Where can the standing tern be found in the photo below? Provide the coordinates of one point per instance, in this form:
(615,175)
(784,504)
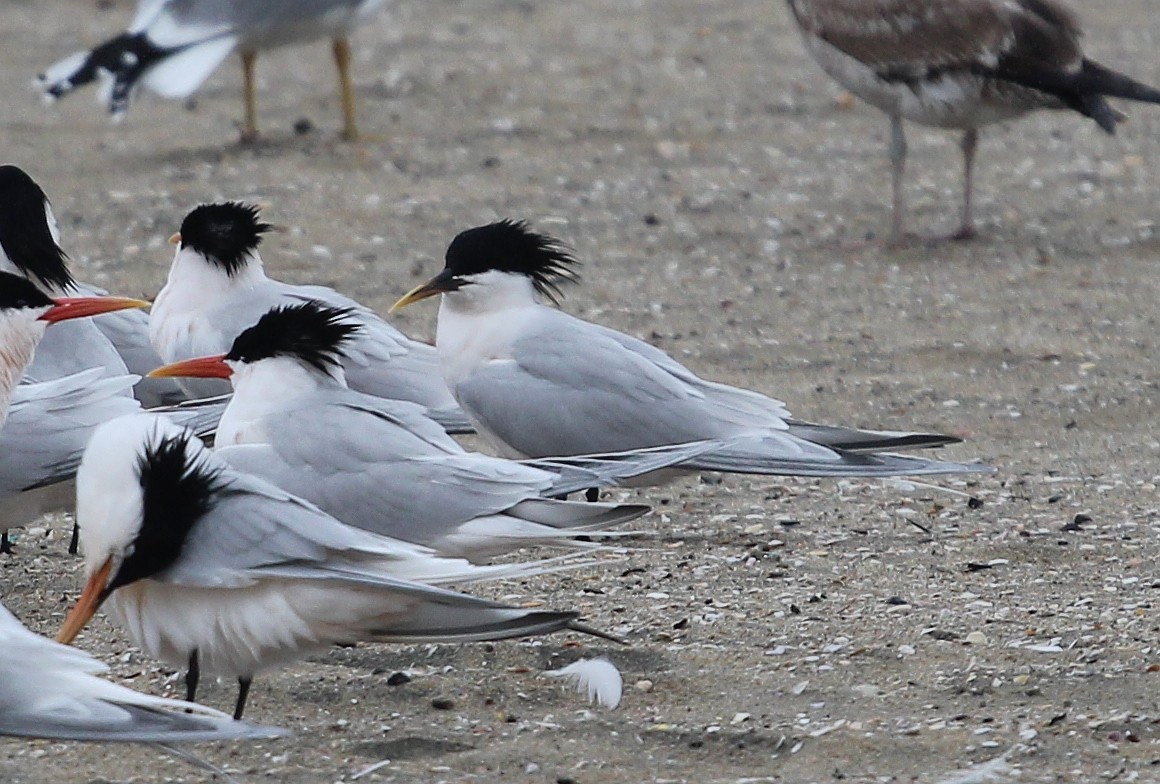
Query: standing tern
(536,381)
(217,287)
(172,46)
(222,572)
(49,690)
(117,342)
(382,465)
(960,64)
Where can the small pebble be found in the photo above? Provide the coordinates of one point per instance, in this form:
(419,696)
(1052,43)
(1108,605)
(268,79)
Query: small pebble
(442,703)
(644,685)
(976,638)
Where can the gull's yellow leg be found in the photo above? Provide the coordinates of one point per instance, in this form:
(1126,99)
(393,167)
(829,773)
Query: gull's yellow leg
(346,90)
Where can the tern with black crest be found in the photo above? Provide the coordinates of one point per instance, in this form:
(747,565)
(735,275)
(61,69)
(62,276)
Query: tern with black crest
(960,64)
(382,465)
(46,424)
(536,381)
(117,342)
(215,570)
(218,287)
(172,46)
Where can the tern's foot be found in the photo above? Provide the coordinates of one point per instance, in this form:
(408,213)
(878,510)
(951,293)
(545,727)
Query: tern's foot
(966,232)
(6,545)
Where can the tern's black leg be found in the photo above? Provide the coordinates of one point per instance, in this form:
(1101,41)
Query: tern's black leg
(243,692)
(192,676)
(74,544)
(5,545)
(592,495)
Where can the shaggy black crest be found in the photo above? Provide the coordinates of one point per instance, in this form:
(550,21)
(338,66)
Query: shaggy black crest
(18,292)
(178,489)
(24,233)
(510,246)
(311,332)
(225,233)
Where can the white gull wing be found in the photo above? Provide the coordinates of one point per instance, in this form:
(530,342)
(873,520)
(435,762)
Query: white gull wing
(49,690)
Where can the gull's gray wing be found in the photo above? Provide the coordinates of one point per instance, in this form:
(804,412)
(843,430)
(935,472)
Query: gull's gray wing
(49,690)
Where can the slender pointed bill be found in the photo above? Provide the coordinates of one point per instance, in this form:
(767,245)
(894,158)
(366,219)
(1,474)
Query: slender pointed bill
(444,281)
(80,307)
(87,605)
(201,367)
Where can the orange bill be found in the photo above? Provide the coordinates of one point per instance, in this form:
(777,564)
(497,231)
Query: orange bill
(87,605)
(201,367)
(80,307)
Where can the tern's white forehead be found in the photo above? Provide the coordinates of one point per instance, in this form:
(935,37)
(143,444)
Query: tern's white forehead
(109,496)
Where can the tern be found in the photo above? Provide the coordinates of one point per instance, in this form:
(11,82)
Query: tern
(960,64)
(118,342)
(44,425)
(172,46)
(49,690)
(536,381)
(382,465)
(215,570)
(217,287)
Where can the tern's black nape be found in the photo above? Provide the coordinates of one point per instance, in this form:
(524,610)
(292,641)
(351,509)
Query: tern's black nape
(310,332)
(24,232)
(510,246)
(177,489)
(17,292)
(225,233)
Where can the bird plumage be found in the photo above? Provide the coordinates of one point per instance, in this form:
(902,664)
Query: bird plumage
(537,381)
(961,64)
(172,46)
(195,559)
(49,690)
(209,299)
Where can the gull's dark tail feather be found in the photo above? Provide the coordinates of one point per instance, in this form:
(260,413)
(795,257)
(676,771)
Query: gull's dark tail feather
(123,60)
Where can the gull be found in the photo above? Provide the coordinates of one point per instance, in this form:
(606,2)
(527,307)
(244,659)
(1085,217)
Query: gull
(118,342)
(215,570)
(960,64)
(49,690)
(217,287)
(536,381)
(172,46)
(382,465)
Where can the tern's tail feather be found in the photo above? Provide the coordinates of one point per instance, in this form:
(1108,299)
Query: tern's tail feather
(201,415)
(439,622)
(854,440)
(131,58)
(746,456)
(453,420)
(605,470)
(575,514)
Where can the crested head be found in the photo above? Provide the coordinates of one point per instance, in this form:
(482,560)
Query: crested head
(311,332)
(512,247)
(227,234)
(26,233)
(17,293)
(142,485)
